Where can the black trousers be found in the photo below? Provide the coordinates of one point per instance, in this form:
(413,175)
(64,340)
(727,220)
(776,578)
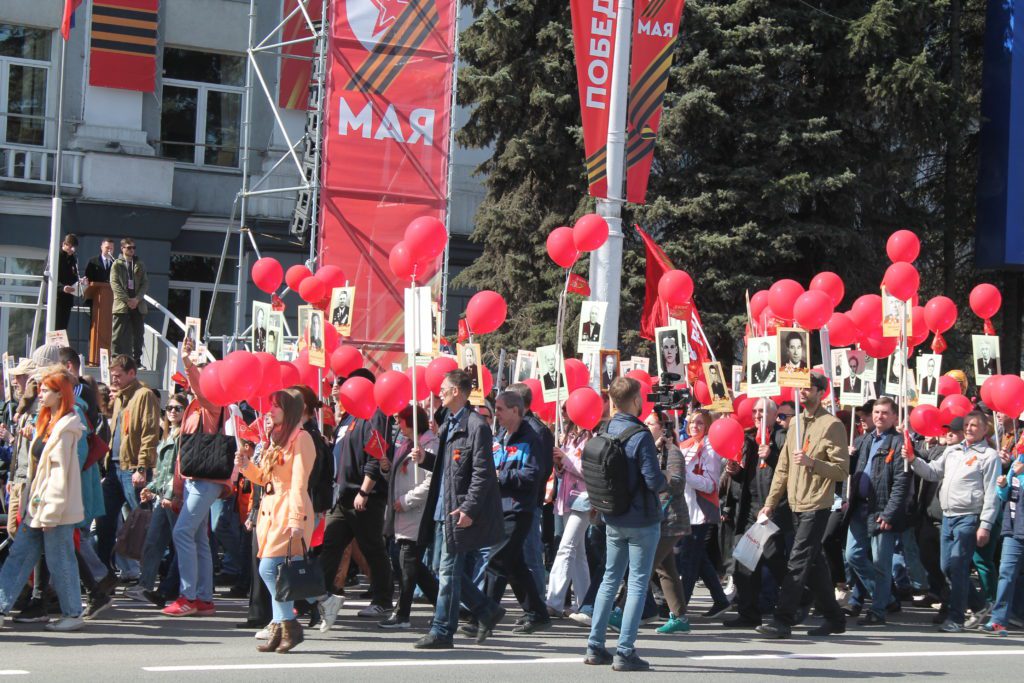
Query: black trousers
(414,573)
(808,567)
(64,305)
(345,524)
(259,597)
(128,334)
(748,583)
(509,565)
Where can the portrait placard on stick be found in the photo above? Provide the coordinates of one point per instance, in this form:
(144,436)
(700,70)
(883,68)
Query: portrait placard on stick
(929,366)
(260,319)
(591,324)
(302,320)
(609,368)
(794,349)
(669,352)
(315,338)
(417,320)
(738,385)
(852,393)
(720,401)
(526,365)
(341,309)
(469,361)
(58,338)
(986,357)
(641,363)
(194,331)
(763,367)
(839,368)
(275,333)
(551,367)
(892,309)
(105,365)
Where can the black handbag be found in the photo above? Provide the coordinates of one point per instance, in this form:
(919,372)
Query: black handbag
(207,456)
(300,579)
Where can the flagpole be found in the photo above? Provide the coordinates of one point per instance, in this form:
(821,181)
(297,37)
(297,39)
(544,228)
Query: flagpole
(55,202)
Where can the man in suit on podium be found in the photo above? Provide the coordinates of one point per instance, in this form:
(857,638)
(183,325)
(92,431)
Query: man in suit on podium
(98,268)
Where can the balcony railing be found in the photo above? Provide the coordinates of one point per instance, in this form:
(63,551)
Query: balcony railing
(35,166)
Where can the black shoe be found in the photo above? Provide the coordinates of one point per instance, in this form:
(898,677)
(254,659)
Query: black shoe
(871,619)
(894,607)
(432,642)
(238,592)
(828,628)
(853,610)
(774,630)
(157,598)
(940,616)
(532,627)
(801,615)
(314,618)
(716,610)
(395,622)
(630,662)
(522,620)
(470,629)
(96,605)
(107,584)
(740,622)
(487,627)
(597,656)
(250,624)
(35,612)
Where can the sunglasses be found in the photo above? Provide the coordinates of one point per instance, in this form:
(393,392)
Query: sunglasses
(176,409)
(128,248)
(784,416)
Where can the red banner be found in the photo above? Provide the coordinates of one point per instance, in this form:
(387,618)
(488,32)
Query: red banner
(388,118)
(654,40)
(122,44)
(593,29)
(296,69)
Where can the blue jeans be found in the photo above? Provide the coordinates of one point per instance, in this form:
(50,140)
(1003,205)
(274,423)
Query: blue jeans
(228,535)
(1009,571)
(118,492)
(959,541)
(533,550)
(282,611)
(877,575)
(907,568)
(29,545)
(192,540)
(455,585)
(694,563)
(158,539)
(633,547)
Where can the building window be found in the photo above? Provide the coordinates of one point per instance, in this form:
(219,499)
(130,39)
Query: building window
(20,300)
(201,112)
(24,70)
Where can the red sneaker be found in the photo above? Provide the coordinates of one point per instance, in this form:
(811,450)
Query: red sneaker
(182,607)
(205,608)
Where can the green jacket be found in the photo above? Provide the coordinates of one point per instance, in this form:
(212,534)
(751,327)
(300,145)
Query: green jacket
(163,474)
(119,283)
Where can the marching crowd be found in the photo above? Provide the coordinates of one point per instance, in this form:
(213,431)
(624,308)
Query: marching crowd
(107,491)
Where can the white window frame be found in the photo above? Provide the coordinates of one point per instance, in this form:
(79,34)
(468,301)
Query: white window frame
(198,153)
(5,72)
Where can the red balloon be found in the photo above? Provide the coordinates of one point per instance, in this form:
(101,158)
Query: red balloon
(918,327)
(267,274)
(331,339)
(813,309)
(926,420)
(211,384)
(985,391)
(866,313)
(831,284)
(536,394)
(782,297)
(331,276)
(356,396)
(546,412)
(488,380)
(486,312)
(841,330)
(241,374)
(426,237)
(290,375)
(270,374)
(590,232)
(701,392)
(576,374)
(948,386)
(758,303)
(345,360)
(877,346)
(675,288)
(641,376)
(585,407)
(402,261)
(436,370)
(295,275)
(312,290)
(392,392)
(901,280)
(940,314)
(745,411)
(1007,395)
(422,389)
(985,301)
(956,405)
(785,394)
(308,374)
(904,246)
(726,437)
(561,247)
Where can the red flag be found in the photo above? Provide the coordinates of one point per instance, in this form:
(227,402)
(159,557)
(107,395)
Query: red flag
(463,330)
(908,444)
(180,379)
(276,304)
(246,432)
(69,17)
(578,285)
(374,446)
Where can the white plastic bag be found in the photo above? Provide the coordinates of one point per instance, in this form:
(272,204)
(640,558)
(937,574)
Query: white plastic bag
(751,545)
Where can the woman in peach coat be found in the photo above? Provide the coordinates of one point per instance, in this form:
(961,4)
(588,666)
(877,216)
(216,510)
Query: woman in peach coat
(286,517)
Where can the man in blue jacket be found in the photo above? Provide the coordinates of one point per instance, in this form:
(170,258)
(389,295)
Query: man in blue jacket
(517,463)
(632,537)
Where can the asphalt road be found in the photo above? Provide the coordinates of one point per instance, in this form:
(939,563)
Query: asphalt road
(133,642)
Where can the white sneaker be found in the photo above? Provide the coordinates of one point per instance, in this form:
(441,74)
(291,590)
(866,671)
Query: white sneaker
(581,618)
(843,597)
(136,593)
(978,618)
(729,588)
(372,611)
(263,634)
(65,624)
(329,609)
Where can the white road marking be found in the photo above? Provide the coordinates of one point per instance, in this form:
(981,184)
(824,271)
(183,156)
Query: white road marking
(12,672)
(1007,651)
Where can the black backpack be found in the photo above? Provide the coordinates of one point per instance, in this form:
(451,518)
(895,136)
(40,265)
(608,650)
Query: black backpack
(606,471)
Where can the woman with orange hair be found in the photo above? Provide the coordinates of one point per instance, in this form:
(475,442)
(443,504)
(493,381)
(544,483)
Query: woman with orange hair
(53,506)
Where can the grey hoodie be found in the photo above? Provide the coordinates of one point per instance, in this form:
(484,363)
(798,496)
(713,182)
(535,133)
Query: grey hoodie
(968,474)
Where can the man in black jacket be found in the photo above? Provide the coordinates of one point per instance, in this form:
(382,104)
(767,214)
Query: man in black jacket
(464,496)
(67,278)
(879,497)
(359,513)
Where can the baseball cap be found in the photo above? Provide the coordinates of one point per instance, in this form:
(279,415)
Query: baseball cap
(819,381)
(956,424)
(25,367)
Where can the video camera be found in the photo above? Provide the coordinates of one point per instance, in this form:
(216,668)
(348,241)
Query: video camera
(667,397)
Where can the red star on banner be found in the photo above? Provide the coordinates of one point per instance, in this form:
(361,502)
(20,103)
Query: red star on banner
(389,11)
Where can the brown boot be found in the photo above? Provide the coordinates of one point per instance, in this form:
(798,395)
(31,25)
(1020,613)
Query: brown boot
(273,641)
(292,635)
